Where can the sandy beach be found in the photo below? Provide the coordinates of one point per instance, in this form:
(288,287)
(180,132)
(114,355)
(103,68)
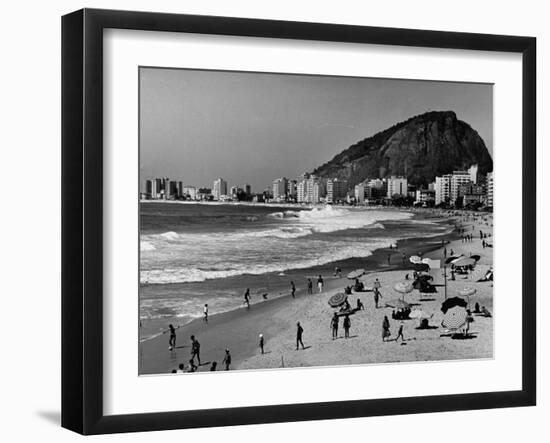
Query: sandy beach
(238,330)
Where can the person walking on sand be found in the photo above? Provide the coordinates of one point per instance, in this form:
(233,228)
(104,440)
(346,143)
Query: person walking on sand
(377,296)
(385,328)
(172,340)
(299,333)
(205,310)
(400,332)
(227,360)
(347,326)
(262,343)
(334,326)
(293,289)
(360,305)
(247,298)
(320,283)
(195,349)
(309,286)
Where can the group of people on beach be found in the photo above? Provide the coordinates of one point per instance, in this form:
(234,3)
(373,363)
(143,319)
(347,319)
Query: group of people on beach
(195,353)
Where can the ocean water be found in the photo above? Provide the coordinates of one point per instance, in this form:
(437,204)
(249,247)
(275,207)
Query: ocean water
(192,254)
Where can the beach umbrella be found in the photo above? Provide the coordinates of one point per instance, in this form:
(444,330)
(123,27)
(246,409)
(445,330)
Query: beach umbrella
(419,267)
(452,302)
(398,304)
(467,291)
(464,261)
(415,259)
(475,257)
(419,314)
(450,259)
(356,274)
(455,318)
(337,299)
(404,287)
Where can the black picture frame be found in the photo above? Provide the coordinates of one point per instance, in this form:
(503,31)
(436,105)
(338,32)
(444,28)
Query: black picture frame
(82,218)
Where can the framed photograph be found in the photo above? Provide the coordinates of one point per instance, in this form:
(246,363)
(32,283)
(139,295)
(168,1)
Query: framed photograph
(269,221)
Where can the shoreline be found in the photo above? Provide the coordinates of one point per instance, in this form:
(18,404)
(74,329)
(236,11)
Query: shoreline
(276,283)
(237,323)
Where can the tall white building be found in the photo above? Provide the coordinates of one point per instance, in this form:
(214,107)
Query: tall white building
(397,185)
(190,191)
(473,171)
(279,188)
(457,179)
(292,189)
(490,195)
(360,193)
(443,189)
(219,189)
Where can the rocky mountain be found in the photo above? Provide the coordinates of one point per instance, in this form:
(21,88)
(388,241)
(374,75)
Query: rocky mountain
(419,148)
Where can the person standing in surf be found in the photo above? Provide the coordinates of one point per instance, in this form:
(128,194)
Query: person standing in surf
(309,286)
(172,340)
(247,298)
(293,289)
(320,283)
(205,318)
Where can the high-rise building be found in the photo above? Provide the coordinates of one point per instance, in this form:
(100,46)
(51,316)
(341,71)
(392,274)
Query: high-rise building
(443,189)
(318,190)
(360,193)
(336,190)
(166,188)
(473,171)
(458,179)
(190,191)
(292,189)
(148,189)
(397,186)
(247,189)
(219,189)
(234,192)
(279,188)
(157,188)
(301,188)
(173,190)
(180,189)
(490,184)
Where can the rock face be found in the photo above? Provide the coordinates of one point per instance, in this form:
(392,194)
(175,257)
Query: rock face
(419,148)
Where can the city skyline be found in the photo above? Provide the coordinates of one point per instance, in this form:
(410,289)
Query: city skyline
(309,120)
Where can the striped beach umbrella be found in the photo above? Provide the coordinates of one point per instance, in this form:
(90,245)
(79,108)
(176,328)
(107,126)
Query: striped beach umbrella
(356,274)
(337,299)
(455,318)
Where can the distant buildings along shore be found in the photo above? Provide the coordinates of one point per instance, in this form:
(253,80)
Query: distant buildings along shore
(459,189)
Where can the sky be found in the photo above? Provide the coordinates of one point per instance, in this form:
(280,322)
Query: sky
(196,125)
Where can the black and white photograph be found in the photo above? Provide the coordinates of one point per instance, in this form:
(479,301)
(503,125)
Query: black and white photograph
(291,221)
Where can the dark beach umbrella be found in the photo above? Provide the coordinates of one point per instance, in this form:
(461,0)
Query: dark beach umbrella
(337,299)
(452,302)
(455,318)
(421,267)
(475,257)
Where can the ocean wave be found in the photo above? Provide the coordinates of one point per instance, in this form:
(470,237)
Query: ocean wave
(146,246)
(190,275)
